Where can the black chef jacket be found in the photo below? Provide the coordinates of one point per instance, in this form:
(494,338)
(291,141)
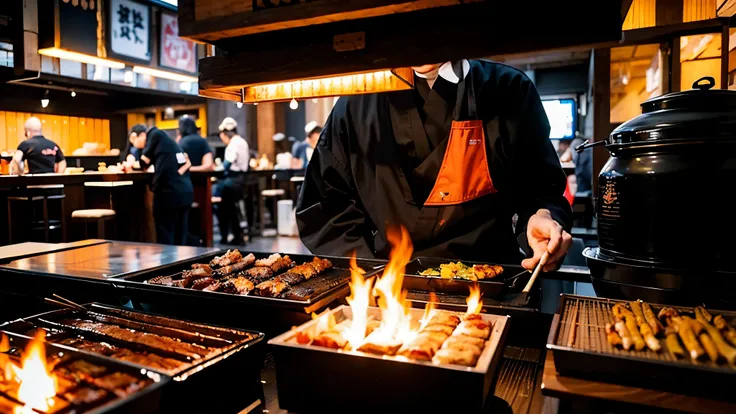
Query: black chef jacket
(379,155)
(196,147)
(170,188)
(41,154)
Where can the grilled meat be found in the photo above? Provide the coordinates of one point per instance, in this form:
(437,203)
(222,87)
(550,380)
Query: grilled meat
(486,271)
(421,348)
(450,356)
(684,331)
(230,257)
(120,383)
(291,279)
(309,269)
(623,314)
(182,283)
(623,332)
(644,328)
(438,328)
(321,265)
(197,272)
(200,284)
(728,332)
(462,346)
(258,274)
(84,396)
(652,320)
(272,288)
(161,280)
(673,345)
(462,339)
(85,345)
(85,368)
(443,318)
(238,285)
(313,287)
(613,338)
(235,267)
(214,287)
(477,329)
(276,262)
(149,360)
(704,314)
(153,341)
(721,344)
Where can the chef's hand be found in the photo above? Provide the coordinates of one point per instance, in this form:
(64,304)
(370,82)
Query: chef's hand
(545,234)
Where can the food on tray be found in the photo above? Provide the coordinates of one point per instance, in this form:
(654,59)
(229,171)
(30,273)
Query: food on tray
(684,331)
(705,340)
(612,336)
(244,263)
(275,262)
(274,276)
(644,328)
(651,319)
(728,332)
(230,257)
(459,270)
(625,315)
(726,350)
(673,345)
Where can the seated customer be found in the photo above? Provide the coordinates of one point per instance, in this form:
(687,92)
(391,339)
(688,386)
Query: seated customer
(199,152)
(42,155)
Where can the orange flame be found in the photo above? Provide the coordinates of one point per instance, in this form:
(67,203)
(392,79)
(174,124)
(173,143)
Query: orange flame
(395,317)
(359,299)
(325,321)
(37,383)
(429,310)
(473,300)
(6,366)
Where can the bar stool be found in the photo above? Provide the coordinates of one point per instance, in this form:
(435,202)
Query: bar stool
(275,195)
(94,215)
(296,186)
(47,220)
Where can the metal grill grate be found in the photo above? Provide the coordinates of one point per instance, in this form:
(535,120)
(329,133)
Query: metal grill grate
(583,326)
(517,377)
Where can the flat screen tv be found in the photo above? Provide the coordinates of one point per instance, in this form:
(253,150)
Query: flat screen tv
(562,115)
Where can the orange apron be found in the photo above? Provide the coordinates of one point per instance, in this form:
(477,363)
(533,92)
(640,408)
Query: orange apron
(464,174)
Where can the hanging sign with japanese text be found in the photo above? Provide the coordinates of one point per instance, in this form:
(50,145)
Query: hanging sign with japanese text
(175,52)
(129,30)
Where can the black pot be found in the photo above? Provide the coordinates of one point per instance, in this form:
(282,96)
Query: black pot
(664,194)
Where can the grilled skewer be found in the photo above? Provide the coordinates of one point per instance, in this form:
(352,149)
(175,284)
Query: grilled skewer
(673,345)
(628,317)
(235,267)
(644,328)
(230,257)
(684,330)
(705,340)
(651,319)
(623,332)
(613,338)
(728,332)
(726,350)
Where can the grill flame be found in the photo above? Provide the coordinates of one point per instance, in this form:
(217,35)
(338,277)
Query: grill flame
(359,300)
(473,300)
(37,383)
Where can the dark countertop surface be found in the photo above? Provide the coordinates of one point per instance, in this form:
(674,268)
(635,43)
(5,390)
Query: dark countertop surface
(14,181)
(106,260)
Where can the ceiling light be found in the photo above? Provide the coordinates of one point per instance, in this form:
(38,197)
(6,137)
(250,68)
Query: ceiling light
(239,104)
(128,77)
(185,86)
(73,94)
(80,57)
(45,99)
(165,74)
(294,104)
(352,84)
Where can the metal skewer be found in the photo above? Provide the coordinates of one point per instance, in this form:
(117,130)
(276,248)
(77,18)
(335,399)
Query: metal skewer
(62,304)
(71,303)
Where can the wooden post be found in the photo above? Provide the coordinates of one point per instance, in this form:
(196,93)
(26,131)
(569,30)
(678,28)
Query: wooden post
(669,12)
(725,34)
(601,109)
(675,65)
(266,121)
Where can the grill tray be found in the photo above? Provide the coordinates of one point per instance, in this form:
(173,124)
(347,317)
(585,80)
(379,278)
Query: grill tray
(234,367)
(146,400)
(592,357)
(492,288)
(317,379)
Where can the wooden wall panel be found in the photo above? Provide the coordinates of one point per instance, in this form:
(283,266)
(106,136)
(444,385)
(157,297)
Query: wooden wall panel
(11,130)
(99,135)
(73,132)
(65,144)
(106,133)
(642,13)
(694,10)
(55,122)
(3,135)
(83,131)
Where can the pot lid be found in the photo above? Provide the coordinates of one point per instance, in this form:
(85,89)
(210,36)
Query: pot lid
(701,113)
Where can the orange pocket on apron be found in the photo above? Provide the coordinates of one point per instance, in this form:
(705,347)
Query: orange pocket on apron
(464,174)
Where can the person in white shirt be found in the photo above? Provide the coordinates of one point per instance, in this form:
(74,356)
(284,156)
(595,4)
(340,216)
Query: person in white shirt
(232,187)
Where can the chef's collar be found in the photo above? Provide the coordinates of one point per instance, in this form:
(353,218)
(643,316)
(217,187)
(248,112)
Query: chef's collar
(447,72)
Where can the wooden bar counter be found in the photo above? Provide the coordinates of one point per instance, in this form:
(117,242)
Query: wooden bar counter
(129,194)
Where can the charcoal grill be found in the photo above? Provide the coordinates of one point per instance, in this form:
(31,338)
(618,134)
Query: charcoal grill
(587,354)
(265,314)
(317,379)
(231,371)
(145,400)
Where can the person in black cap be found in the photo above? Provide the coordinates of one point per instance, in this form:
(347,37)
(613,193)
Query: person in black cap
(42,155)
(232,187)
(196,147)
(172,189)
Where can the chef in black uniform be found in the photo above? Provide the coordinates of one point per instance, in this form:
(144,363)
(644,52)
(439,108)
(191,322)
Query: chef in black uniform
(454,161)
(41,154)
(199,151)
(172,189)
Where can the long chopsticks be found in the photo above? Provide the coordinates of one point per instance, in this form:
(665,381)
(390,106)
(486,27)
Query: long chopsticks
(537,270)
(65,303)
